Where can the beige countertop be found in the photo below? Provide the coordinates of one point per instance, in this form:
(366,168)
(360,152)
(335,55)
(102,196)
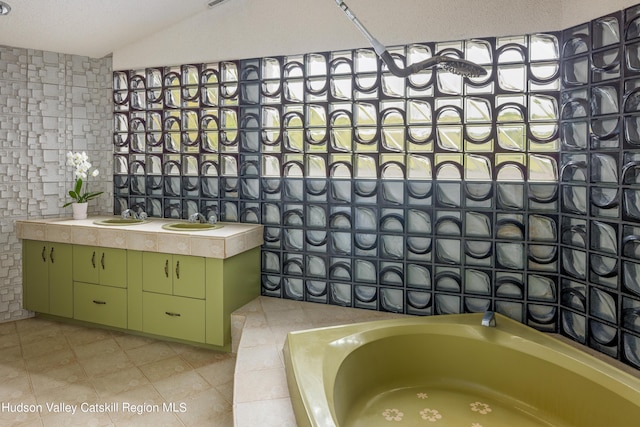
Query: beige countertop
(227,241)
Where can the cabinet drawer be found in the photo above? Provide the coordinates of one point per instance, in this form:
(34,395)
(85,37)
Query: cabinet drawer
(105,305)
(172,316)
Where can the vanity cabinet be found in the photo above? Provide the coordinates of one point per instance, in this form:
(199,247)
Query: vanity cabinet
(131,281)
(47,281)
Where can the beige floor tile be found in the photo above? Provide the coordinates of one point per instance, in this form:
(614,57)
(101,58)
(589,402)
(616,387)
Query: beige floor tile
(149,353)
(15,389)
(52,360)
(12,370)
(128,341)
(198,356)
(165,368)
(261,385)
(44,346)
(8,354)
(82,335)
(179,387)
(17,416)
(7,328)
(100,365)
(209,408)
(105,348)
(220,372)
(119,382)
(57,377)
(80,419)
(72,394)
(142,406)
(10,339)
(267,413)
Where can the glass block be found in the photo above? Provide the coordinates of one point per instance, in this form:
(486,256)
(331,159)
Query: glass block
(510,255)
(316,291)
(541,288)
(476,305)
(574,295)
(365,296)
(392,247)
(418,276)
(603,338)
(447,304)
(542,317)
(477,282)
(392,300)
(511,309)
(606,31)
(293,288)
(574,263)
(391,274)
(419,303)
(340,294)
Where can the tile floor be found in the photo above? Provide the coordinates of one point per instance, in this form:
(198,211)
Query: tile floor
(113,378)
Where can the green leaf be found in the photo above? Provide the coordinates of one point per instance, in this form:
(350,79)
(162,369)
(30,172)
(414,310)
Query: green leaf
(78,188)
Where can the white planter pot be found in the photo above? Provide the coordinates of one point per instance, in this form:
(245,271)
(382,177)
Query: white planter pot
(79,210)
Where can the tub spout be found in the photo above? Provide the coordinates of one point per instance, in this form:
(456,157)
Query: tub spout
(489,319)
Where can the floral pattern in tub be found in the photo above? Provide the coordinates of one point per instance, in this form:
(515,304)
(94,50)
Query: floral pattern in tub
(448,370)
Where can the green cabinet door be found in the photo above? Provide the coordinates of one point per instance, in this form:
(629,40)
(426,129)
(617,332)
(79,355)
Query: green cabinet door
(60,280)
(168,274)
(47,280)
(189,276)
(113,267)
(157,272)
(85,263)
(104,266)
(35,276)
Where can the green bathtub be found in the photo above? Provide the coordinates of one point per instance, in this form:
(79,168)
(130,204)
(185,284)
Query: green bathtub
(448,370)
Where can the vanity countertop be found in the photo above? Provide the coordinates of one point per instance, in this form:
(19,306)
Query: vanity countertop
(227,241)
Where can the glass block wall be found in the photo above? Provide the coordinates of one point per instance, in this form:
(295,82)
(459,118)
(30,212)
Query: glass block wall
(517,192)
(600,185)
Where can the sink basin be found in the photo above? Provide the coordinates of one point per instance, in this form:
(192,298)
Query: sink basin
(190,226)
(119,221)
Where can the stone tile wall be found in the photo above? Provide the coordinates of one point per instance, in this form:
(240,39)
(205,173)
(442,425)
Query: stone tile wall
(50,103)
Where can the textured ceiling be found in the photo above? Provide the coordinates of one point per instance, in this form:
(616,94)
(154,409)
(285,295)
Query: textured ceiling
(92,28)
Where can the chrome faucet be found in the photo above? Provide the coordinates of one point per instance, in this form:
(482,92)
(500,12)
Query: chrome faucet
(489,319)
(140,214)
(197,217)
(128,213)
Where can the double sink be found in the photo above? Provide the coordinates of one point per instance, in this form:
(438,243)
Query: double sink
(174,226)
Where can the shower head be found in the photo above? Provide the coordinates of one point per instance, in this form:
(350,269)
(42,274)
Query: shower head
(453,65)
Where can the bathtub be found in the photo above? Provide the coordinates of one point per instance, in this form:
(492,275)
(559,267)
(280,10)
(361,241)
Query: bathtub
(448,370)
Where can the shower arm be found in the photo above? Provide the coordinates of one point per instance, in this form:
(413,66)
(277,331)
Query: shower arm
(455,65)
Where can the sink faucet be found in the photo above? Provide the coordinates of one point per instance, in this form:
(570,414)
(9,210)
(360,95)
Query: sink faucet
(128,213)
(197,217)
(489,319)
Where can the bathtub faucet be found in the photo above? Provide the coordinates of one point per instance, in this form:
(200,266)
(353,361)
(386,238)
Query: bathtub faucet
(489,319)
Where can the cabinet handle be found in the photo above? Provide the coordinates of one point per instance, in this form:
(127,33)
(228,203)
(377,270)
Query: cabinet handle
(95,301)
(44,250)
(93,259)
(166,268)
(177,269)
(51,256)
(168,313)
(102,260)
